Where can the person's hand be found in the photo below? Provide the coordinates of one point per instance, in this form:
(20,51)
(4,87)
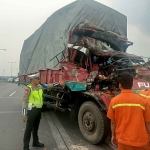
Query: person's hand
(62,83)
(114,140)
(24,118)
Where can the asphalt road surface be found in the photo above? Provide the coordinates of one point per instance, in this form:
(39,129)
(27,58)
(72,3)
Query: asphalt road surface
(56,131)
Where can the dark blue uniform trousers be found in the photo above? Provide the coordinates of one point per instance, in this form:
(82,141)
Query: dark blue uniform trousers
(32,126)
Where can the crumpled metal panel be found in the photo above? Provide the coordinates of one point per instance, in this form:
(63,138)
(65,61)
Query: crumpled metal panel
(96,46)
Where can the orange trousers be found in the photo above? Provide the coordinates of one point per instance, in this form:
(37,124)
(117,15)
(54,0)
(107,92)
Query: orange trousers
(127,147)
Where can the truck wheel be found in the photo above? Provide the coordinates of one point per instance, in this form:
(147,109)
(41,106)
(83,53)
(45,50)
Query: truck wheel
(92,123)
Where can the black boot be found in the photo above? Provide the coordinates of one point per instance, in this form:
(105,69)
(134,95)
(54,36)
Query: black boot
(38,144)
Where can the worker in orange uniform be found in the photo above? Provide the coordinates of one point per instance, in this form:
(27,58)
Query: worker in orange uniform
(145,94)
(130,117)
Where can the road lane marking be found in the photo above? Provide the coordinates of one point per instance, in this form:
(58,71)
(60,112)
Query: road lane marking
(65,136)
(9,112)
(12,93)
(63,132)
(58,139)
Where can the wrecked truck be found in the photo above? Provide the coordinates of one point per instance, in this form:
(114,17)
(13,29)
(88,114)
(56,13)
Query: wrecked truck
(89,69)
(96,53)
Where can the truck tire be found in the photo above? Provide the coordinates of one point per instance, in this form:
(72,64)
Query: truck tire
(93,123)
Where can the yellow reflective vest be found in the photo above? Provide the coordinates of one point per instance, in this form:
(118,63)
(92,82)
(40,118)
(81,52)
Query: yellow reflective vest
(36,96)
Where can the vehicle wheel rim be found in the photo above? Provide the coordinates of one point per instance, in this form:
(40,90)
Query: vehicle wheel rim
(89,122)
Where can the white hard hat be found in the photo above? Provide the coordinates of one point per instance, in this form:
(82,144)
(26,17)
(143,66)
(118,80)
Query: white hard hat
(33,76)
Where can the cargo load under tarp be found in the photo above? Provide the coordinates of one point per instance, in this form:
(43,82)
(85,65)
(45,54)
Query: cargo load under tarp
(52,37)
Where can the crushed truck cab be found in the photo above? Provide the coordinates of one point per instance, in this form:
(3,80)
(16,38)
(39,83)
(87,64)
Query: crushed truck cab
(89,68)
(95,42)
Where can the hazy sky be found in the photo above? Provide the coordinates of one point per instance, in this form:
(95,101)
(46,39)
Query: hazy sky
(20,18)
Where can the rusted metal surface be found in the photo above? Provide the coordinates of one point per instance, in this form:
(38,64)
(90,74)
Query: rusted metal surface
(103,97)
(73,73)
(96,95)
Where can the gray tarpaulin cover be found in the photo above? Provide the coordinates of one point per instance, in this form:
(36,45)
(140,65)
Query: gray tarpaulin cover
(52,37)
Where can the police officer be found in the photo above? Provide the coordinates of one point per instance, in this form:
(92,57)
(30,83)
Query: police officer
(31,110)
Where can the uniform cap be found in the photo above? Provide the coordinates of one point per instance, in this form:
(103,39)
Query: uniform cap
(34,76)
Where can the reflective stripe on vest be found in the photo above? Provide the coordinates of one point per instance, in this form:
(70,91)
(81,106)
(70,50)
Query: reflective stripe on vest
(128,105)
(35,97)
(143,95)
